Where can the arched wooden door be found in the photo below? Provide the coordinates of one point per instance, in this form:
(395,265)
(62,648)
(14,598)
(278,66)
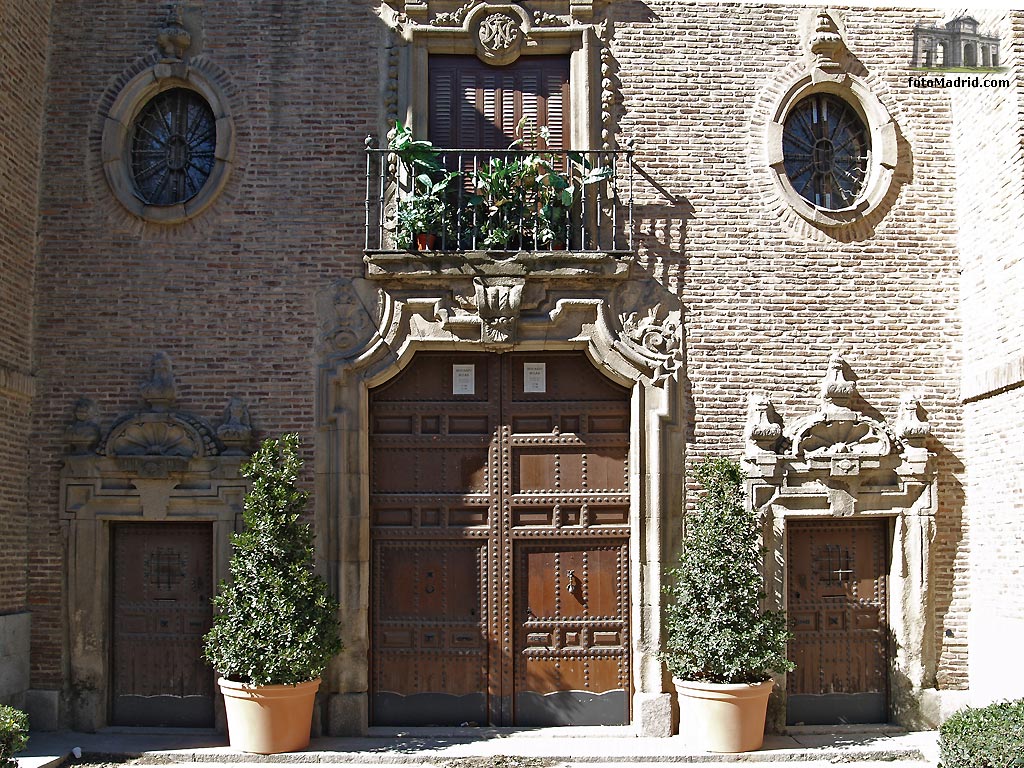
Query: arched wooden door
(499,526)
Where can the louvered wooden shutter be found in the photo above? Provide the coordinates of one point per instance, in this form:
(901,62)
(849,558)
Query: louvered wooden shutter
(476,106)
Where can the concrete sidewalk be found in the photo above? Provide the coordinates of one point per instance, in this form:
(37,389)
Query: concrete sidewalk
(431,746)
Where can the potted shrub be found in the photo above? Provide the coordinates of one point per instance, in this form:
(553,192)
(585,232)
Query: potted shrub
(277,624)
(721,646)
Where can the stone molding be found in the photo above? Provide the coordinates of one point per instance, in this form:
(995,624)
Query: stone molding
(498,33)
(17,385)
(828,66)
(171,68)
(156,464)
(369,331)
(836,462)
(980,382)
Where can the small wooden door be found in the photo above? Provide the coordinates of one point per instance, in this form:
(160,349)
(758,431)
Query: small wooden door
(837,610)
(499,528)
(162,585)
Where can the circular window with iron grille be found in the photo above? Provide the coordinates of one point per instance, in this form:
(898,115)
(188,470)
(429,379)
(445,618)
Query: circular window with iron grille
(825,147)
(168,141)
(173,147)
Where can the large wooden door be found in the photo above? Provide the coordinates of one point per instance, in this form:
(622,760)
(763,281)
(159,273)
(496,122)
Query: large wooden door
(499,528)
(837,610)
(163,581)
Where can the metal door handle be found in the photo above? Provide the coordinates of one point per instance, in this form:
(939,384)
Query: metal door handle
(571,582)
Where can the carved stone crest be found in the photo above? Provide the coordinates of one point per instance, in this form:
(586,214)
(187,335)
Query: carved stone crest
(348,314)
(235,432)
(499,38)
(651,330)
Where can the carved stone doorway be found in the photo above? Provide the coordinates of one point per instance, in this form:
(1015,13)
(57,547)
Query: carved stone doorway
(500,542)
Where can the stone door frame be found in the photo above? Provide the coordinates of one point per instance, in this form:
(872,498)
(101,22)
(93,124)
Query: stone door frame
(370,333)
(839,463)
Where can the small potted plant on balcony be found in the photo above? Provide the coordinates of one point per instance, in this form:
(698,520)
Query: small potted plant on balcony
(721,646)
(277,624)
(426,212)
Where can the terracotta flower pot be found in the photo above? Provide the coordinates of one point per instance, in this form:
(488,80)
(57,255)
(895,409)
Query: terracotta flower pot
(269,719)
(426,241)
(723,717)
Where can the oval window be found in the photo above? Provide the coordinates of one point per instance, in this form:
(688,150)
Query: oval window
(825,149)
(173,147)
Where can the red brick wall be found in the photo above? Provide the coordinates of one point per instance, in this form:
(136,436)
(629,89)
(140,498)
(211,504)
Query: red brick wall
(765,303)
(23,50)
(230,294)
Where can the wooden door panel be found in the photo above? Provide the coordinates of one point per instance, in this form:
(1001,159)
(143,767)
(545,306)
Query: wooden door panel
(572,650)
(162,585)
(430,662)
(837,604)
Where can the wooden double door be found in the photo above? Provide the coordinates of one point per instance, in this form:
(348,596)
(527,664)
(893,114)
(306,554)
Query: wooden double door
(838,607)
(499,526)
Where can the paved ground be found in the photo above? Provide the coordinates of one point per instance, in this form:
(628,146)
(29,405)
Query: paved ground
(485,748)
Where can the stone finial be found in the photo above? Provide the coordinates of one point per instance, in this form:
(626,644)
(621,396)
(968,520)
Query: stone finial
(837,387)
(160,390)
(173,39)
(83,434)
(236,429)
(826,43)
(909,425)
(763,428)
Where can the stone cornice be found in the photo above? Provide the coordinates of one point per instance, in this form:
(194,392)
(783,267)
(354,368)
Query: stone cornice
(981,381)
(16,385)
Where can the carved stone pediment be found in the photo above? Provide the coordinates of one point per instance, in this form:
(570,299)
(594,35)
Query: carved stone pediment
(159,438)
(836,454)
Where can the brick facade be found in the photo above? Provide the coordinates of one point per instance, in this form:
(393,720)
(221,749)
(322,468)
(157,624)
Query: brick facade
(22,92)
(766,298)
(988,131)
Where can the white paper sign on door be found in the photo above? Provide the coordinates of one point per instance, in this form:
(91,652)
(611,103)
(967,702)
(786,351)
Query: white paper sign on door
(463,379)
(535,377)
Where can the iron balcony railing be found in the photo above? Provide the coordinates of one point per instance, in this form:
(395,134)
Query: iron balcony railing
(500,200)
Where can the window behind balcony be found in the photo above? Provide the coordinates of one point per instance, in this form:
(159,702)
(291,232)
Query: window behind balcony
(476,106)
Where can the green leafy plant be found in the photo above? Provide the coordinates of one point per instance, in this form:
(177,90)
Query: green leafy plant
(277,622)
(428,207)
(13,735)
(716,629)
(984,737)
(526,197)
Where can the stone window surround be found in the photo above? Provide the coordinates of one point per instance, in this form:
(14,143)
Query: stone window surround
(882,154)
(119,123)
(579,41)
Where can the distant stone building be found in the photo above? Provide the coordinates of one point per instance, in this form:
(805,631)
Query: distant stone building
(955,44)
(788,255)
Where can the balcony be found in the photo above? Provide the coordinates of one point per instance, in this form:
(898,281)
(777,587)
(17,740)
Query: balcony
(518,211)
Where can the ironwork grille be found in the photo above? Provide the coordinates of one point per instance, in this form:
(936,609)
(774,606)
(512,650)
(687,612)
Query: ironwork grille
(501,200)
(825,150)
(173,147)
